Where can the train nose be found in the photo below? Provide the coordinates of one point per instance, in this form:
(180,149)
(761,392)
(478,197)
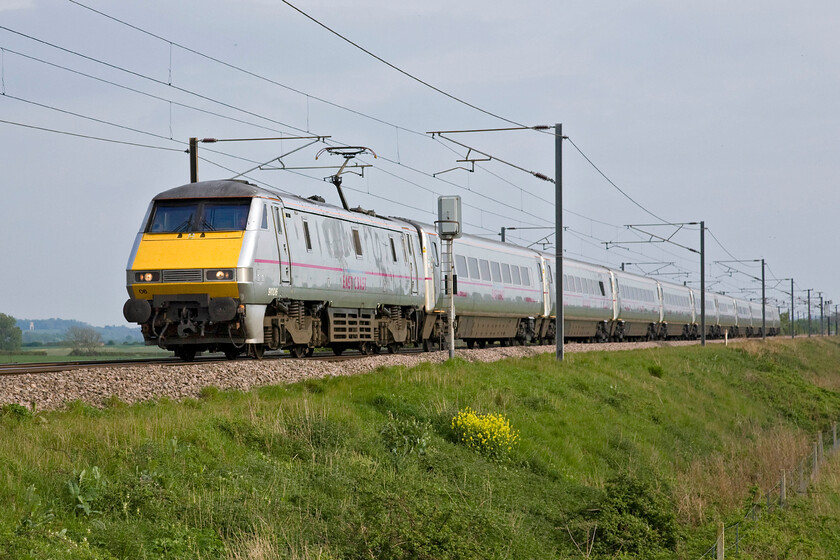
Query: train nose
(137,311)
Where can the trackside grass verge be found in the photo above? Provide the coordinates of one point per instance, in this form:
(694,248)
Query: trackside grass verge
(633,454)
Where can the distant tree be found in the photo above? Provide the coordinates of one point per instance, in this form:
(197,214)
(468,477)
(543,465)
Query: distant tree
(10,334)
(83,340)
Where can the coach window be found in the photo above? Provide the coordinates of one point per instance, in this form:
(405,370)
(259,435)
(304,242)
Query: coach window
(506,273)
(393,249)
(357,243)
(526,276)
(473,265)
(264,224)
(497,271)
(461,266)
(514,270)
(576,280)
(306,238)
(485,269)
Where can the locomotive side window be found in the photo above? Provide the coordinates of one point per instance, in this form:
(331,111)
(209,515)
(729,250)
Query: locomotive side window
(526,276)
(515,273)
(264,223)
(393,249)
(485,269)
(357,242)
(461,266)
(601,284)
(435,253)
(550,275)
(306,237)
(497,271)
(473,266)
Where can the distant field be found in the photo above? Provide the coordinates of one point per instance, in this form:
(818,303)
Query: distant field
(34,354)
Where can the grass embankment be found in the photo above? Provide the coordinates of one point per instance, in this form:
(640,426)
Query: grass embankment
(635,453)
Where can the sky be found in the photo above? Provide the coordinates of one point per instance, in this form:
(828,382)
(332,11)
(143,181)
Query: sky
(675,112)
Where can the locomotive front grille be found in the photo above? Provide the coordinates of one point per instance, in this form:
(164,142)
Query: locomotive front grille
(186,275)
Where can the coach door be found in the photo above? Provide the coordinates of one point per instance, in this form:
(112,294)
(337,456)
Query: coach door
(282,245)
(412,262)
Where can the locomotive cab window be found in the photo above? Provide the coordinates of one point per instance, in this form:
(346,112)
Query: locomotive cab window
(190,216)
(601,285)
(435,254)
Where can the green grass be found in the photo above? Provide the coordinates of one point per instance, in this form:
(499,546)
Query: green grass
(63,353)
(645,450)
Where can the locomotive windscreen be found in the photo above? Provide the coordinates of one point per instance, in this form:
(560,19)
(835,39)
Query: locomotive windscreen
(187,216)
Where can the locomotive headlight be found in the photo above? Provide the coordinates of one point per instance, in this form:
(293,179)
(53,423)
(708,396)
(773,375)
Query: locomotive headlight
(144,277)
(223,275)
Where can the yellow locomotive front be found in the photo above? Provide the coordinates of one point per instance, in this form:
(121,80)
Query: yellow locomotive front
(183,278)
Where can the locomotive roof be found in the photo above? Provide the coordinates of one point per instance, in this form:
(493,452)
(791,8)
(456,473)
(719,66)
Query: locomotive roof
(232,188)
(226,188)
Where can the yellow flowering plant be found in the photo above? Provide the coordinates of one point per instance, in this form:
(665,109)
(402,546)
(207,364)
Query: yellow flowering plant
(489,434)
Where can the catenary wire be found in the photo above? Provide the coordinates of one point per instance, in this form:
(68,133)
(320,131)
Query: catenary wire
(201,96)
(244,70)
(400,70)
(143,93)
(111,140)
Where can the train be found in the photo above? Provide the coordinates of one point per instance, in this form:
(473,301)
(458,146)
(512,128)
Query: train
(229,266)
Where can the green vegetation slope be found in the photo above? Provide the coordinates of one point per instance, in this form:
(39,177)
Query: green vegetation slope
(619,455)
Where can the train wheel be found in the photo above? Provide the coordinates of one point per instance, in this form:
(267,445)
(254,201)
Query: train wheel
(482,343)
(427,345)
(310,350)
(186,353)
(375,348)
(256,351)
(232,352)
(470,344)
(338,350)
(365,348)
(298,350)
